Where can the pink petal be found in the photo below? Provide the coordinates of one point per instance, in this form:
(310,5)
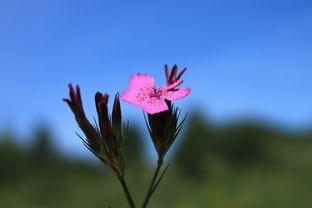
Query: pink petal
(155,105)
(169,87)
(141,80)
(130,96)
(140,88)
(176,94)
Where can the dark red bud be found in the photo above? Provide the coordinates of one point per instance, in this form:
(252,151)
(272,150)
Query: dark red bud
(102,111)
(173,74)
(116,114)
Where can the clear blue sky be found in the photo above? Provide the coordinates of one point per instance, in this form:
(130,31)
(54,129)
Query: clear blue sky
(244,57)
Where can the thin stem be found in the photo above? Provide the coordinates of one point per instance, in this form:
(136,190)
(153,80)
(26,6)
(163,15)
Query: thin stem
(126,191)
(151,189)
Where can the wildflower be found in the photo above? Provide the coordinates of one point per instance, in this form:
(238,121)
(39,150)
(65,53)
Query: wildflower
(142,92)
(105,140)
(163,118)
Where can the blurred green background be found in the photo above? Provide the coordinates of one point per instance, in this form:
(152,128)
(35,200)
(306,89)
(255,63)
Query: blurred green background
(244,163)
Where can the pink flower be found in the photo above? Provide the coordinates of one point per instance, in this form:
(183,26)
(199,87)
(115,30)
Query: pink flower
(142,92)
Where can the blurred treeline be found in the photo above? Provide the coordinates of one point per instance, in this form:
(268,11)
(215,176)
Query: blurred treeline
(241,164)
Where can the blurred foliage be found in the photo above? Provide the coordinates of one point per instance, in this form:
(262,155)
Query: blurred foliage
(240,164)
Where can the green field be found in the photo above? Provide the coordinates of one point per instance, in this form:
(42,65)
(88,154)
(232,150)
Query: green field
(243,164)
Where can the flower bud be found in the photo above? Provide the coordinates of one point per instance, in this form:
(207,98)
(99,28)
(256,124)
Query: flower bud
(164,129)
(105,140)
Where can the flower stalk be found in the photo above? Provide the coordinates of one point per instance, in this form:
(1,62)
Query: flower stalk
(126,192)
(152,187)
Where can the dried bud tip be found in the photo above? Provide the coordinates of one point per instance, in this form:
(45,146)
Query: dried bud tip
(173,73)
(167,72)
(181,73)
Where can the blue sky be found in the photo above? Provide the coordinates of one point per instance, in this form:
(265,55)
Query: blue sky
(244,58)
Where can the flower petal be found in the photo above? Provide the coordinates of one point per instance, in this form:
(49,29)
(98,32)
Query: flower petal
(175,94)
(131,97)
(139,81)
(171,86)
(140,88)
(155,105)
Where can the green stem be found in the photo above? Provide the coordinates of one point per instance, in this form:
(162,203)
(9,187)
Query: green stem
(151,189)
(126,191)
